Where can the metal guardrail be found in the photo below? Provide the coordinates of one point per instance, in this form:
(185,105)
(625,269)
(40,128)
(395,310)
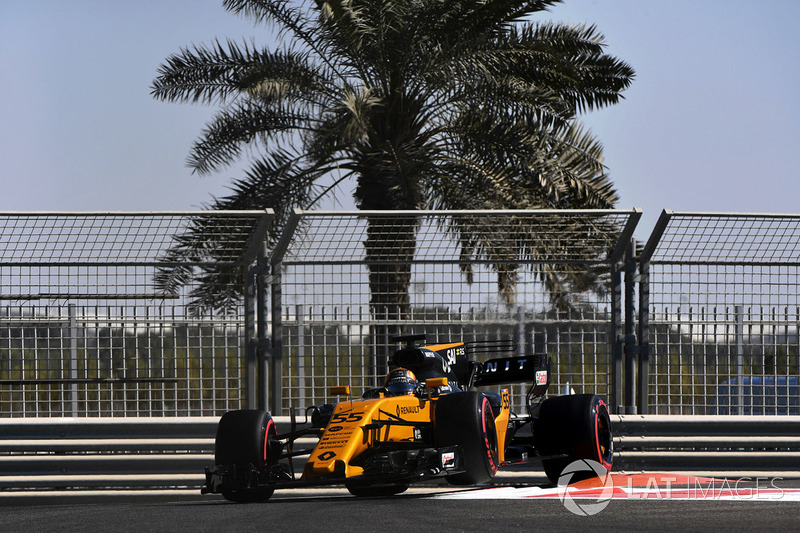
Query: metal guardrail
(732,446)
(74,457)
(79,455)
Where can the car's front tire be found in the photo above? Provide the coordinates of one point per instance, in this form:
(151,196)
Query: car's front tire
(244,439)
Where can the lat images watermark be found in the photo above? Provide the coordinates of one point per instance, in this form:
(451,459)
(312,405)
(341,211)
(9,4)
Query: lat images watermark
(593,495)
(584,506)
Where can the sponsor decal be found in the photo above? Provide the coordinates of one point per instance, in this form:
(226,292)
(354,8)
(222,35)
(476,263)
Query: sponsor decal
(507,365)
(334,429)
(346,418)
(327,456)
(451,357)
(541,377)
(332,443)
(448,459)
(406,410)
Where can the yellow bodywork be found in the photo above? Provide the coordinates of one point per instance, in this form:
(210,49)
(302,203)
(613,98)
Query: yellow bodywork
(346,436)
(440,347)
(501,424)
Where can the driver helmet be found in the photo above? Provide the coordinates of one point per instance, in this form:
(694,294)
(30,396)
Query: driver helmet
(399,382)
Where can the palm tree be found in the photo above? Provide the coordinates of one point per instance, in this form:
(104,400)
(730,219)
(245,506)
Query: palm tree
(420,104)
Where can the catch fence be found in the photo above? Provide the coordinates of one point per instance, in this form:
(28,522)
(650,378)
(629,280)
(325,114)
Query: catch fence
(188,314)
(100,316)
(720,315)
(349,281)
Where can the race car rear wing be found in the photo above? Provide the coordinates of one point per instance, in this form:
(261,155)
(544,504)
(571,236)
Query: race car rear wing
(512,370)
(534,369)
(452,360)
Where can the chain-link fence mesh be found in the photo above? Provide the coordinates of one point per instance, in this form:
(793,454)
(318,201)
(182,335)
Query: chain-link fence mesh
(91,323)
(350,281)
(141,314)
(724,314)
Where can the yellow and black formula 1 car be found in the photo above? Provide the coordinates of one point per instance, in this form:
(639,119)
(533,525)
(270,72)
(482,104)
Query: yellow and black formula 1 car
(427,421)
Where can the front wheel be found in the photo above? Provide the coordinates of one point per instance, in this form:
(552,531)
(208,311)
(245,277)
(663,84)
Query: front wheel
(246,439)
(466,419)
(578,426)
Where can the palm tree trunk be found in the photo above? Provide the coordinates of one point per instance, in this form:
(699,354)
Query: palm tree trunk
(389,248)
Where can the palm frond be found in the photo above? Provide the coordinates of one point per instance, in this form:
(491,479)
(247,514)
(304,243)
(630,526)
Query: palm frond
(232,129)
(285,15)
(208,75)
(423,103)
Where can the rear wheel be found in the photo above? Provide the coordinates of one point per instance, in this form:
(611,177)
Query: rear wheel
(466,419)
(576,425)
(246,439)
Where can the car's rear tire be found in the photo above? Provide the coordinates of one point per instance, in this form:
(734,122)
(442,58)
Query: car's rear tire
(365,491)
(579,426)
(466,419)
(246,438)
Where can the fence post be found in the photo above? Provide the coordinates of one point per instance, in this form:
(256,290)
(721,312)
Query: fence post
(739,354)
(264,353)
(631,349)
(251,339)
(275,384)
(300,354)
(616,339)
(520,331)
(644,308)
(73,358)
(643,370)
(276,292)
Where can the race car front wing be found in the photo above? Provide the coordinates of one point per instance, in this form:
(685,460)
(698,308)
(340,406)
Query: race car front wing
(398,464)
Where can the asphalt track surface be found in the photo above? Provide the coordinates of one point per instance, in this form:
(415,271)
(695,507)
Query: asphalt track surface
(670,503)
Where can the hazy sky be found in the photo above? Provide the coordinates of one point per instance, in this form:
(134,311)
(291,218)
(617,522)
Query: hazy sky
(711,123)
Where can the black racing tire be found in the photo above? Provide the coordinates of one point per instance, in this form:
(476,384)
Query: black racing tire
(579,426)
(366,491)
(245,438)
(466,419)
